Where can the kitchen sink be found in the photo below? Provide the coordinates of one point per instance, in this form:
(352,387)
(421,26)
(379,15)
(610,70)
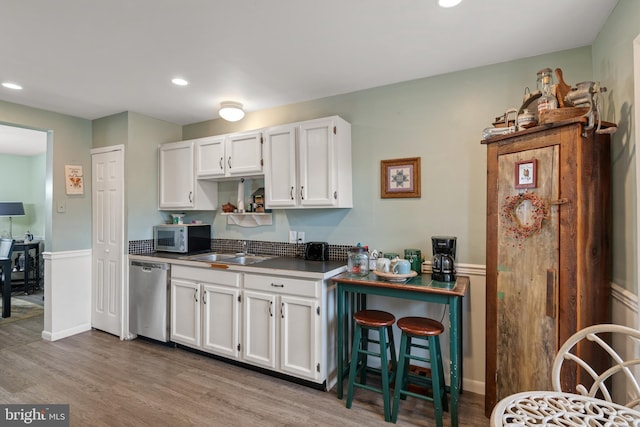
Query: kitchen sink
(209,257)
(247,259)
(242,259)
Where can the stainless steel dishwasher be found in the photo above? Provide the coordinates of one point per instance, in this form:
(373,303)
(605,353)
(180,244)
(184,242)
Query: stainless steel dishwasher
(149,299)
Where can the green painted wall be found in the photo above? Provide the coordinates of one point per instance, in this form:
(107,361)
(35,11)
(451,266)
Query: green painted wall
(22,178)
(439,119)
(69,144)
(140,135)
(613,66)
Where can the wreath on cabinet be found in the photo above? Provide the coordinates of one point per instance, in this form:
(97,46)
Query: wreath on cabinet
(513,226)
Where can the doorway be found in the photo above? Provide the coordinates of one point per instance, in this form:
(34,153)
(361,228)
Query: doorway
(23,179)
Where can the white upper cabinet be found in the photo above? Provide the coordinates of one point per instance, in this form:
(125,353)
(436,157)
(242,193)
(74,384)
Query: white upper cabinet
(210,157)
(280,166)
(308,165)
(234,155)
(177,186)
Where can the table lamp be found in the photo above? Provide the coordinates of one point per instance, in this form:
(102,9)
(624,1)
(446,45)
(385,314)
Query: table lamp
(11,209)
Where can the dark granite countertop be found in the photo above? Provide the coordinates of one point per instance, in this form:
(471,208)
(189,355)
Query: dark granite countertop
(275,265)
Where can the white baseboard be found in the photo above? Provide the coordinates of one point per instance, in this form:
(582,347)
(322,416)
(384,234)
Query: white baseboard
(48,336)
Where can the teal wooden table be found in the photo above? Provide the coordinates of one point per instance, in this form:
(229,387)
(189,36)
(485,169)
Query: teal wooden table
(352,291)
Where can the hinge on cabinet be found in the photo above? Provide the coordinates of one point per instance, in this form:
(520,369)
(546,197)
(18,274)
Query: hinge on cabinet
(261,162)
(238,347)
(318,367)
(318,310)
(262,140)
(239,298)
(335,130)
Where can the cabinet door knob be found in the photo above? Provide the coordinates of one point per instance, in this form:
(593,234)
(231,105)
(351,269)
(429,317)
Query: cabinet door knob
(302,192)
(229,162)
(190,194)
(291,192)
(195,295)
(270,308)
(282,310)
(221,160)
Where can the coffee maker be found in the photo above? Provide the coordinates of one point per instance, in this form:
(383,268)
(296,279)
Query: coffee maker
(444,255)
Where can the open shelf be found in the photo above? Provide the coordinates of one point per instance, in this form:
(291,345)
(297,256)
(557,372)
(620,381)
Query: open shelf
(249,219)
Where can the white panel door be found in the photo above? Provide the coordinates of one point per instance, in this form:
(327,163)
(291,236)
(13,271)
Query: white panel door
(244,154)
(281,187)
(316,163)
(299,335)
(107,245)
(210,157)
(259,329)
(221,320)
(185,312)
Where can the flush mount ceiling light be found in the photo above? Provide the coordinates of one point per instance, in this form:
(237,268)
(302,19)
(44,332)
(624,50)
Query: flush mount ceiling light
(231,111)
(10,85)
(448,3)
(179,81)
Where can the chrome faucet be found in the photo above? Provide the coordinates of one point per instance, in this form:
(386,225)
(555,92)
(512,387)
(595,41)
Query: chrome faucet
(244,247)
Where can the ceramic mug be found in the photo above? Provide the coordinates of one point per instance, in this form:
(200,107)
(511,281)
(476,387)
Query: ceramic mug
(402,266)
(383,265)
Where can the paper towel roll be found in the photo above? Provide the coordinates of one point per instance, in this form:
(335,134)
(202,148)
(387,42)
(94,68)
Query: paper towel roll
(240,201)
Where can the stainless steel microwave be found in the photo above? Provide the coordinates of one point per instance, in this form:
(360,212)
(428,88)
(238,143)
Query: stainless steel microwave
(182,238)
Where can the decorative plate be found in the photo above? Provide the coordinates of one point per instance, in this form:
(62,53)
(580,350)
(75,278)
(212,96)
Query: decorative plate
(392,277)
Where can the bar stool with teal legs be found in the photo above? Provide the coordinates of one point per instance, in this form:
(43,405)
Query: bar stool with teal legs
(420,328)
(382,322)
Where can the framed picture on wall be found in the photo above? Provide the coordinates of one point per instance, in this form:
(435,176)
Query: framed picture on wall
(74,183)
(400,178)
(526,174)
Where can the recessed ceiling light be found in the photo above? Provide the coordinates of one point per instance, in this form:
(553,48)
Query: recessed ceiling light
(448,3)
(10,85)
(179,82)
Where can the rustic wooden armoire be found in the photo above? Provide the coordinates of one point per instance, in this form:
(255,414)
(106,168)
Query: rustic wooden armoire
(548,231)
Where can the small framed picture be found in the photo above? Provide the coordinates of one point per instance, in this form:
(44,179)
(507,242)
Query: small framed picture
(73,179)
(525,174)
(400,178)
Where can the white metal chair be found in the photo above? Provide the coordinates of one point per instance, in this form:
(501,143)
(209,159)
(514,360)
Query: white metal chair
(615,341)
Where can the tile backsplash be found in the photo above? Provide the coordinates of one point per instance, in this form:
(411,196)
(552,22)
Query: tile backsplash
(336,252)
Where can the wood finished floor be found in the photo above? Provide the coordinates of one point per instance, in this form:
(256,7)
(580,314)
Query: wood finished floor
(109,382)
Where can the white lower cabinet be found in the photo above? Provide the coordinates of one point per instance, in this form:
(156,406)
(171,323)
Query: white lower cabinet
(281,324)
(185,312)
(205,309)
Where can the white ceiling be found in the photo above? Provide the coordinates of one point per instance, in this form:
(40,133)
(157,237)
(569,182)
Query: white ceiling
(96,58)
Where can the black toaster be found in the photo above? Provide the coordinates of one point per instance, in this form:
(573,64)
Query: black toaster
(316,251)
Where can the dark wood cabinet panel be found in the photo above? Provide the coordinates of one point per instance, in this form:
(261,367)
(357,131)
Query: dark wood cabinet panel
(544,283)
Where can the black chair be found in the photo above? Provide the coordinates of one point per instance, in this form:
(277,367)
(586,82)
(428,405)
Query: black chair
(6,248)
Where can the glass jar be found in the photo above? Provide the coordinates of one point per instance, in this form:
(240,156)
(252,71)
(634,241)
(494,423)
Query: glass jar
(358,261)
(547,100)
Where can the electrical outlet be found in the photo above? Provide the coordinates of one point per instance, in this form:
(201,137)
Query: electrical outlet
(301,237)
(61,206)
(293,236)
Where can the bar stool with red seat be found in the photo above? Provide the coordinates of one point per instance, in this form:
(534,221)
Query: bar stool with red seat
(382,322)
(420,328)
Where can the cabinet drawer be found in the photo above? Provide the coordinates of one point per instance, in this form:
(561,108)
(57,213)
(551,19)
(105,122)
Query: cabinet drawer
(283,285)
(206,275)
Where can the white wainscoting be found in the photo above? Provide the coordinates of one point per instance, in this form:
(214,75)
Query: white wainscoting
(624,311)
(67,293)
